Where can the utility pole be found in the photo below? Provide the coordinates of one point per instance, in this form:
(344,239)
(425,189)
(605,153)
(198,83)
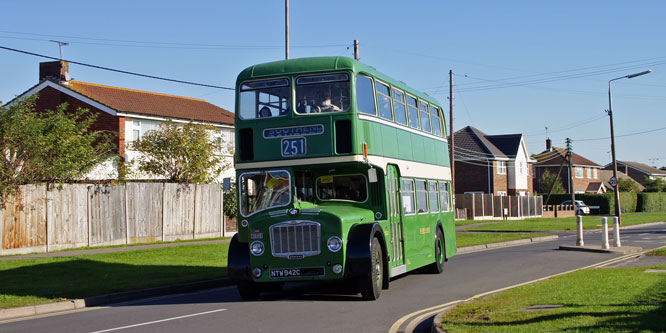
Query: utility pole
(571,175)
(356,56)
(451,136)
(286,29)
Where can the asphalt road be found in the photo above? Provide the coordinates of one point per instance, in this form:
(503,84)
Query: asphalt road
(307,307)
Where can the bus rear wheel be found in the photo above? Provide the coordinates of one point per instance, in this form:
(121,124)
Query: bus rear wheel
(440,254)
(371,283)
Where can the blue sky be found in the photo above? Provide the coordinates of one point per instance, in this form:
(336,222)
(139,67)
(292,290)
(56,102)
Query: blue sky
(520,66)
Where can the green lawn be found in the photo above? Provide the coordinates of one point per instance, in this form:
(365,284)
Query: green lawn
(567,223)
(464,239)
(34,281)
(596,300)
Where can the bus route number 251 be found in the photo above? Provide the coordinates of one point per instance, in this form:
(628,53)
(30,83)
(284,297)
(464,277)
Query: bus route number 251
(293,147)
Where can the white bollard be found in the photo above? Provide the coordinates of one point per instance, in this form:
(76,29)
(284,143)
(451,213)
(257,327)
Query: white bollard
(616,232)
(579,226)
(604,233)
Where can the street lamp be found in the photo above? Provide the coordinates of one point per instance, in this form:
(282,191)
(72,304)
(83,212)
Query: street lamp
(610,115)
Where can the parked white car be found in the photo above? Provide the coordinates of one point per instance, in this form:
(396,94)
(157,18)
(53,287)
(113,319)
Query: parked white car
(581,207)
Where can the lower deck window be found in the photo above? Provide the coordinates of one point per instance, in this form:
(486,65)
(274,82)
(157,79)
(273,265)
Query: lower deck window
(407,193)
(421,196)
(347,187)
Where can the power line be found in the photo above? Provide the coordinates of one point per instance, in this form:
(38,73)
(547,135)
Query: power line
(620,136)
(168,45)
(119,71)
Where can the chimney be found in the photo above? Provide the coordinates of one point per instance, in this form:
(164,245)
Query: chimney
(56,71)
(549,145)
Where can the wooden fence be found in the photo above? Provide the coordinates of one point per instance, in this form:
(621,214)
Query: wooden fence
(76,215)
(488,206)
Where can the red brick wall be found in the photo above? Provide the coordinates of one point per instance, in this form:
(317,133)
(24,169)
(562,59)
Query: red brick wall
(580,184)
(50,99)
(500,182)
(471,177)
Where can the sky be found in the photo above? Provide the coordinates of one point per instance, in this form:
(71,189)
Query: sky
(519,66)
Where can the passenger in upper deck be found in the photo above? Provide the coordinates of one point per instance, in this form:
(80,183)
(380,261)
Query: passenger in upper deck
(265,112)
(324,103)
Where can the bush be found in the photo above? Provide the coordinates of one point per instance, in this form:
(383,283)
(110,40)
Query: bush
(651,202)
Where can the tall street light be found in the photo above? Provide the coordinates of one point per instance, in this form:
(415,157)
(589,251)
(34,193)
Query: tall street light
(610,115)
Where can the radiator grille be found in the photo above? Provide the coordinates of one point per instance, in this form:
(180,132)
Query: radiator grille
(295,239)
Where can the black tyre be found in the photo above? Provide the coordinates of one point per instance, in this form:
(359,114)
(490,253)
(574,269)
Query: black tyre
(440,254)
(371,284)
(248,290)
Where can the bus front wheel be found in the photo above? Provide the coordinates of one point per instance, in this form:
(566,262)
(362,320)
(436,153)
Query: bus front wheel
(371,283)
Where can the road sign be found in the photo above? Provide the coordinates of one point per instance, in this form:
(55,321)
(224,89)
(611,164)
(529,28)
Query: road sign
(613,181)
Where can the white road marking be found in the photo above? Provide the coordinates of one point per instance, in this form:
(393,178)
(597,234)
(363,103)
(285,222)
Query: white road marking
(160,321)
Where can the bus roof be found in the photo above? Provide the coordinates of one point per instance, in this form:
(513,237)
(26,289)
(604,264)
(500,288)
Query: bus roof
(323,64)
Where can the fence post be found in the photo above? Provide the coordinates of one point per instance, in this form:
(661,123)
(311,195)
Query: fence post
(89,204)
(604,233)
(579,227)
(616,232)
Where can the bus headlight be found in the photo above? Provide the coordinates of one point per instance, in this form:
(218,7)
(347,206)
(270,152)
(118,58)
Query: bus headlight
(337,268)
(257,272)
(257,248)
(334,244)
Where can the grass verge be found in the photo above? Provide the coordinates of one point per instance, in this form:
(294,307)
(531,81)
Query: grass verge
(607,300)
(45,280)
(567,223)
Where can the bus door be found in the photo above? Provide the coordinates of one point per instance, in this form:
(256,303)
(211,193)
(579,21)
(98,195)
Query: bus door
(397,237)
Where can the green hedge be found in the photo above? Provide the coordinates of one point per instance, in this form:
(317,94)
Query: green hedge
(651,202)
(606,202)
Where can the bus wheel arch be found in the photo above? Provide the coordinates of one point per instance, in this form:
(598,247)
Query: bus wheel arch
(360,254)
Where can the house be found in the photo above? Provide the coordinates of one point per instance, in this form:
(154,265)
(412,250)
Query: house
(638,171)
(129,113)
(607,174)
(494,164)
(587,175)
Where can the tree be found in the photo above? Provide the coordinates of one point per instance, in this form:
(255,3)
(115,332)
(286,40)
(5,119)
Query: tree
(654,185)
(231,202)
(548,180)
(181,153)
(627,185)
(52,146)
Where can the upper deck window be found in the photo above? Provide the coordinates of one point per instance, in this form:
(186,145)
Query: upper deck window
(436,124)
(384,100)
(365,97)
(413,112)
(322,93)
(264,99)
(399,106)
(425,116)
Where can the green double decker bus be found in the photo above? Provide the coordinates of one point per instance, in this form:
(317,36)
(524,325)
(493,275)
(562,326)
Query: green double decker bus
(342,173)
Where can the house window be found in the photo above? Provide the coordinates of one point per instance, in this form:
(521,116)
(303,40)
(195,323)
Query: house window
(501,193)
(501,167)
(589,173)
(579,172)
(595,173)
(136,130)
